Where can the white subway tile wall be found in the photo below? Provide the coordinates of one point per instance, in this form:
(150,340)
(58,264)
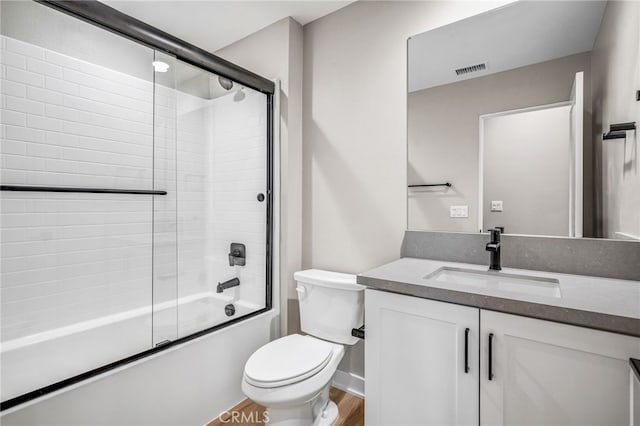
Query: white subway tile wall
(238,174)
(67,258)
(194,143)
(222,152)
(63,127)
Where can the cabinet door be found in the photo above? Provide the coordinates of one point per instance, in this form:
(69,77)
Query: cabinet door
(546,373)
(415,361)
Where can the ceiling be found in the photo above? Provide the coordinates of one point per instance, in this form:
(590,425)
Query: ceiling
(213,24)
(519,34)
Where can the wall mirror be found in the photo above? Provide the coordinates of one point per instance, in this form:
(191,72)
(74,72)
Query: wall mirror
(524,117)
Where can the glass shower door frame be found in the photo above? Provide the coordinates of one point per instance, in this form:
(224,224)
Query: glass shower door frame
(112,20)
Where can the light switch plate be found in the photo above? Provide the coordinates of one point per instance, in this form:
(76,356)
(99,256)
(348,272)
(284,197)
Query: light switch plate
(496,206)
(458,211)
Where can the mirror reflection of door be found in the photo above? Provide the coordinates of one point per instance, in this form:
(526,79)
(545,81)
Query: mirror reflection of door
(576,163)
(523,58)
(529,179)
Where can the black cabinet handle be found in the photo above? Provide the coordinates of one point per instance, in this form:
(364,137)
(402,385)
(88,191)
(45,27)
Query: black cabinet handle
(490,356)
(466,350)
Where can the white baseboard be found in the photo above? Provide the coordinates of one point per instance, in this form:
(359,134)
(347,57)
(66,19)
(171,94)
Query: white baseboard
(349,382)
(627,236)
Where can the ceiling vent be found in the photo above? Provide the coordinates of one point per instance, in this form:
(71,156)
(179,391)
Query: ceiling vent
(471,68)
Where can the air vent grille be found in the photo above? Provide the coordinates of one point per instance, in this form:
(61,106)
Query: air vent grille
(471,68)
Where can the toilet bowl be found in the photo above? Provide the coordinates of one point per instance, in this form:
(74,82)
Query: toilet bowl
(291,376)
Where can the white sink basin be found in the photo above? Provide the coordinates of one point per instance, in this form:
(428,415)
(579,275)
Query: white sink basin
(493,280)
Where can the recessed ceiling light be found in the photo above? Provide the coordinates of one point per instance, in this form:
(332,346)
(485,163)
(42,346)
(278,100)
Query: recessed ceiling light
(160,66)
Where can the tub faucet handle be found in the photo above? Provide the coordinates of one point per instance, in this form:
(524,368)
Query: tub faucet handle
(237,254)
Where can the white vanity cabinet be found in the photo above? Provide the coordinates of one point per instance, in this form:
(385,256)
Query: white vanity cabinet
(542,372)
(546,373)
(417,370)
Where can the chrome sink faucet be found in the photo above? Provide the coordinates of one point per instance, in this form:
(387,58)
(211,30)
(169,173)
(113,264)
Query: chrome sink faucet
(493,247)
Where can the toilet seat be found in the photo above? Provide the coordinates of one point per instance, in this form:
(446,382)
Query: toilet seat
(290,359)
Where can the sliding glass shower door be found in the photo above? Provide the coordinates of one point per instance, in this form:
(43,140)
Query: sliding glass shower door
(134,205)
(165,275)
(222,206)
(210,154)
(76,220)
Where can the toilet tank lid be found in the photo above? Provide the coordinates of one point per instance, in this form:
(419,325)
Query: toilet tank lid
(328,279)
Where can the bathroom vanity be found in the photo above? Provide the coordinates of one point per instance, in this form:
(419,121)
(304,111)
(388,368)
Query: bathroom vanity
(451,343)
(504,131)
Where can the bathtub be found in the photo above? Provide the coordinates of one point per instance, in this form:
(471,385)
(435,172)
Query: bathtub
(32,362)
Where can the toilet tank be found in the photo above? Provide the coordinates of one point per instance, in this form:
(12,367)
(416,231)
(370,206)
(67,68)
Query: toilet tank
(331,304)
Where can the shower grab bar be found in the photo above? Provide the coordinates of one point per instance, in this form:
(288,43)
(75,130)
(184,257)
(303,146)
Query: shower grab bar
(430,184)
(25,188)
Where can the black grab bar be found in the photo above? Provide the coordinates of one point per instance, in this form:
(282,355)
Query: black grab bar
(430,184)
(26,188)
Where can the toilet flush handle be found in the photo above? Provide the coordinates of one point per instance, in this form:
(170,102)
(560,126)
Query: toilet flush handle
(302,292)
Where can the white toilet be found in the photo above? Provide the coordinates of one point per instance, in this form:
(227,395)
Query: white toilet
(291,376)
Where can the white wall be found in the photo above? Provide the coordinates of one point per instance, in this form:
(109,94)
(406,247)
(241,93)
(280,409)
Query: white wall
(616,77)
(276,52)
(354,168)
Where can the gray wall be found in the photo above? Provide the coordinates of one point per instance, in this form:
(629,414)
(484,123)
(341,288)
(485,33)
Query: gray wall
(444,146)
(616,77)
(526,166)
(354,160)
(578,256)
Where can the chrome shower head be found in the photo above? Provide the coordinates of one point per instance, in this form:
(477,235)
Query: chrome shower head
(225,83)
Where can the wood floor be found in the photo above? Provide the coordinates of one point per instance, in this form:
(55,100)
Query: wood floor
(351,410)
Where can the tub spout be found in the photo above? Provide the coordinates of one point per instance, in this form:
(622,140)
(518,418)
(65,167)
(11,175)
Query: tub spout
(233,282)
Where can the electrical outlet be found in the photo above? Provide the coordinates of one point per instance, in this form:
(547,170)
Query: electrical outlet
(458,211)
(496,206)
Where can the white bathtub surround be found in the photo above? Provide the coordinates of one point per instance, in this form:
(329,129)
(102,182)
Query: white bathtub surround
(221,170)
(105,276)
(80,347)
(189,384)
